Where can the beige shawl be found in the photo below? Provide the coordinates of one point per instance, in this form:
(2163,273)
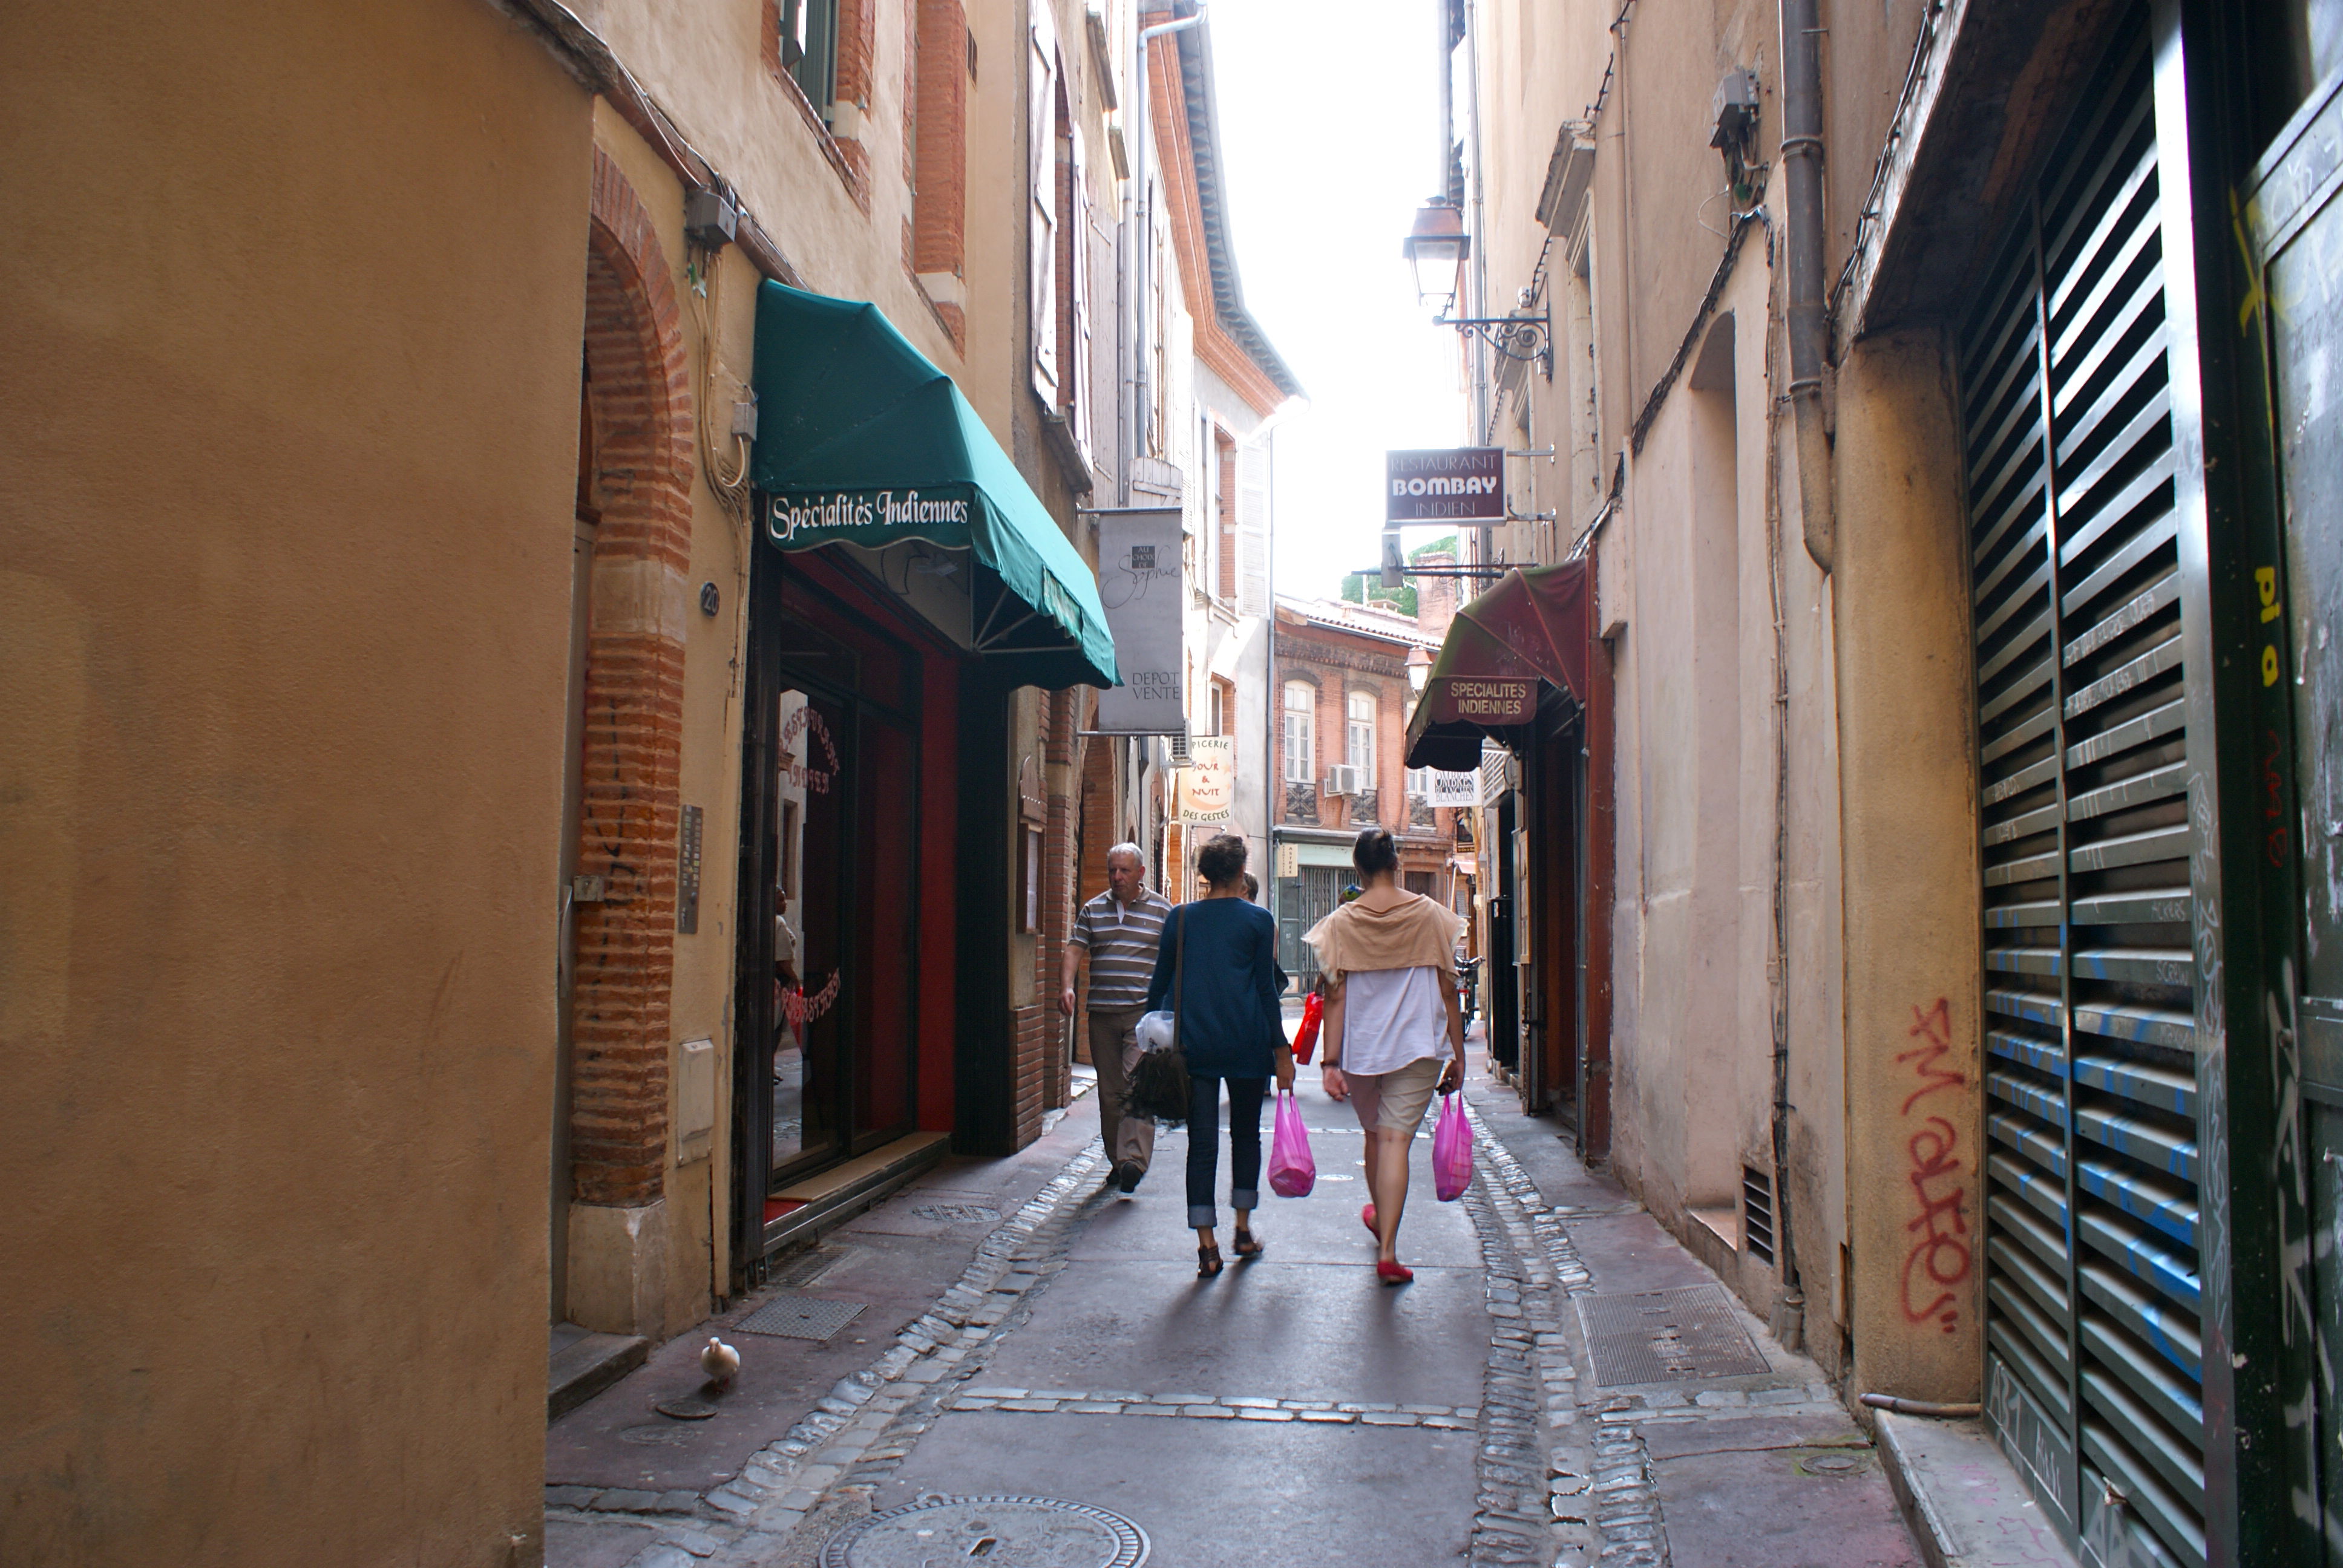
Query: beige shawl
(1414,934)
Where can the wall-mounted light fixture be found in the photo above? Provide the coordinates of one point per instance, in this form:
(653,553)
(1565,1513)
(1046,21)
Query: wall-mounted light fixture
(1437,248)
(1419,669)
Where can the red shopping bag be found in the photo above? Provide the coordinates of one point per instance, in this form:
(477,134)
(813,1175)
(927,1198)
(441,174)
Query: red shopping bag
(1306,1039)
(1291,1171)
(1451,1150)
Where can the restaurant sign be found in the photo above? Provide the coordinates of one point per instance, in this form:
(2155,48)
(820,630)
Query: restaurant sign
(1487,702)
(872,518)
(1452,483)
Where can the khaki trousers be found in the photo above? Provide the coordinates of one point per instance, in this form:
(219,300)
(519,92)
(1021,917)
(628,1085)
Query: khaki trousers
(1115,1051)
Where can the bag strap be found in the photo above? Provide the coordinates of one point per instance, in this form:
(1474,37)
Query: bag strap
(1179,975)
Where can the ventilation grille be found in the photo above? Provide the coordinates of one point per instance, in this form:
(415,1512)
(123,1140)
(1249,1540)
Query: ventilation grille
(1756,1214)
(2089,1237)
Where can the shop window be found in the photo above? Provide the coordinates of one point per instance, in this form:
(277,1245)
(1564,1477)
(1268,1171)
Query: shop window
(1301,732)
(1361,737)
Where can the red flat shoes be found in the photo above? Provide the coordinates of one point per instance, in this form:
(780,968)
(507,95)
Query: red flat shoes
(1393,1273)
(1367,1218)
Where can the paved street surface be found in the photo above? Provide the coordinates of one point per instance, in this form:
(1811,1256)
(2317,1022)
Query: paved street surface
(1023,1336)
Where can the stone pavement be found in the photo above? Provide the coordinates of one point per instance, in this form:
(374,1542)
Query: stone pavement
(1291,1411)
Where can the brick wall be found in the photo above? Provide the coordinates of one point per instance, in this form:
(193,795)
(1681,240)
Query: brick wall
(1058,746)
(935,237)
(634,703)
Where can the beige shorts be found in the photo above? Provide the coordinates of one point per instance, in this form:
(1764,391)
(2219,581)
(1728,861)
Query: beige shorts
(1395,1101)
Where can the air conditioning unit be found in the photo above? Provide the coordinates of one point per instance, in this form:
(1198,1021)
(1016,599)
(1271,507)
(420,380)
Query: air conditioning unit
(1341,779)
(1176,744)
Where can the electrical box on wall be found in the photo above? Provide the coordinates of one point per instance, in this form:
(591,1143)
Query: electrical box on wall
(695,1099)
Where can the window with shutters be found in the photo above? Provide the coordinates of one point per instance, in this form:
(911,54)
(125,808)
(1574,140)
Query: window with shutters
(2090,1236)
(1041,178)
(1360,736)
(809,48)
(1224,485)
(1252,520)
(1301,732)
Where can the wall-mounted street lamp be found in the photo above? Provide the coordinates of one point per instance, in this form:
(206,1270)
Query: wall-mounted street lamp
(1419,669)
(1437,248)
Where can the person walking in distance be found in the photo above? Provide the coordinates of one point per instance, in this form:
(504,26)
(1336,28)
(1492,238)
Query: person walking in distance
(1119,930)
(1392,1032)
(1217,972)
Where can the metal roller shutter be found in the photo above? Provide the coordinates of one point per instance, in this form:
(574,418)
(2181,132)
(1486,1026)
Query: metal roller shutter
(2091,1206)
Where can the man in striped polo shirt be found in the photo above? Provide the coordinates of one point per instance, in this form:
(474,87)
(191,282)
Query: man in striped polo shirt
(1119,929)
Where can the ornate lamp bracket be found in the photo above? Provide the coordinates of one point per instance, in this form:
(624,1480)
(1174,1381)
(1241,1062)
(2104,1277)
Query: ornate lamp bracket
(1522,336)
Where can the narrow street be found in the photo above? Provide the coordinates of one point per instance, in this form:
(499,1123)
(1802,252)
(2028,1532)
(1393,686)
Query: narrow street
(1289,1412)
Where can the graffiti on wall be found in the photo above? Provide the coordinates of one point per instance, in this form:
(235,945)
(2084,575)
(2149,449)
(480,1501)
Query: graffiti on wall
(1938,1257)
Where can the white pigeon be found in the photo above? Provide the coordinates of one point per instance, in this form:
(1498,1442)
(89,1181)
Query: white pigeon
(720,1362)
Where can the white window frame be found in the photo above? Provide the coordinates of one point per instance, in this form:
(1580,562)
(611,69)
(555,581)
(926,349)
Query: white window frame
(1301,732)
(1359,734)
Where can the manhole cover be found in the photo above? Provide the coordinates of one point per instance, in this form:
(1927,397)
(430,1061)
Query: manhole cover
(1832,1464)
(1002,1532)
(958,1213)
(686,1407)
(1666,1336)
(799,1317)
(651,1436)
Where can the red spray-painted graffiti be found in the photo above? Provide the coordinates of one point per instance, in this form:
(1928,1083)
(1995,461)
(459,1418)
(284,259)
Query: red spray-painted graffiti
(1939,1256)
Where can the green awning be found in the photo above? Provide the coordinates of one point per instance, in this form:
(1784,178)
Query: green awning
(861,440)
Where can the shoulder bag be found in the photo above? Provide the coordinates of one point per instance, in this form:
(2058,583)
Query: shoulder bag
(1158,1087)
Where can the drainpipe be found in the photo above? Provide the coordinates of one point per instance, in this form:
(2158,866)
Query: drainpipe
(1802,164)
(1141,123)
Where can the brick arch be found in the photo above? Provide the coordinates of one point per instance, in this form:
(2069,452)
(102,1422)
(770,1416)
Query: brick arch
(639,388)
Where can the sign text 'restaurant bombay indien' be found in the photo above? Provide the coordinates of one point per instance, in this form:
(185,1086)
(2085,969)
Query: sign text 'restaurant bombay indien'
(1450,484)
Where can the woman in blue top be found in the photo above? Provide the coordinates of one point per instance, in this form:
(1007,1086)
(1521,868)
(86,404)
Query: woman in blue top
(1229,1027)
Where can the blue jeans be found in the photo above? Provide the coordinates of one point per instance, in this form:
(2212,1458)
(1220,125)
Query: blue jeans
(1245,1097)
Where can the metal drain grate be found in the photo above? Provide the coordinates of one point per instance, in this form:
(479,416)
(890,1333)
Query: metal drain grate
(1664,1336)
(957,1213)
(797,1317)
(1025,1532)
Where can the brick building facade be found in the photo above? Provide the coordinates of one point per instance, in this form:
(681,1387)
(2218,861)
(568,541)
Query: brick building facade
(1342,694)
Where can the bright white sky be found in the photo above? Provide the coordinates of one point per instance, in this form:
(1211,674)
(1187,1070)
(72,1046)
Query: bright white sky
(1329,141)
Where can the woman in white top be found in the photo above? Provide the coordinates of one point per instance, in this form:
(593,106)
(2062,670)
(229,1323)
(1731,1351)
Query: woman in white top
(1393,1031)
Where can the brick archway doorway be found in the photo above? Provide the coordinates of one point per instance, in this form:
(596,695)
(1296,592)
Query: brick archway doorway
(609,1240)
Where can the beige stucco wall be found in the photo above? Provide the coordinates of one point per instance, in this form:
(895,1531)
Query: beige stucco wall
(292,307)
(1912,919)
(704,63)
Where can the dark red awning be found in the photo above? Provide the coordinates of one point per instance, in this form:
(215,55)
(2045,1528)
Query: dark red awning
(1530,627)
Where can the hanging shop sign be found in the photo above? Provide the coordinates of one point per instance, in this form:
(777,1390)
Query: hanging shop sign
(1452,483)
(1460,790)
(1208,785)
(1140,583)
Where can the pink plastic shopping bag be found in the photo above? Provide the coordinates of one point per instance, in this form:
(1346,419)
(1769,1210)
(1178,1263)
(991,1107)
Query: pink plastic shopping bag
(1291,1171)
(1451,1150)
